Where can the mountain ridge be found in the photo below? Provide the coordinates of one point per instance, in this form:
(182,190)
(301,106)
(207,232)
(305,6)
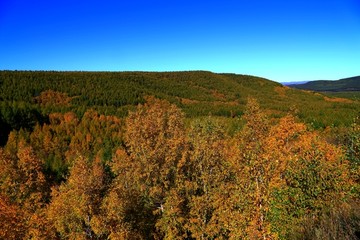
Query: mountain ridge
(197,93)
(341,85)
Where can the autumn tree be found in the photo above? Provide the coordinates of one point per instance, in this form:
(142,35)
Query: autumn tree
(156,179)
(146,169)
(95,132)
(51,142)
(126,214)
(22,178)
(308,175)
(286,173)
(316,179)
(352,147)
(50,97)
(76,203)
(205,181)
(66,136)
(252,169)
(23,186)
(12,222)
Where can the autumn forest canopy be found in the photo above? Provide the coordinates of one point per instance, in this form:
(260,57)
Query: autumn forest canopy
(175,155)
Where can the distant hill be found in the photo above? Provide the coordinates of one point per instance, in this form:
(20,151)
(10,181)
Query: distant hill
(342,85)
(197,93)
(293,83)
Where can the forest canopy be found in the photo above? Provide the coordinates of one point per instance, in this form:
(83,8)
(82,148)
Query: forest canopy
(152,177)
(77,162)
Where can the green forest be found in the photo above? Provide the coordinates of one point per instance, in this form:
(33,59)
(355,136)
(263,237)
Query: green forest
(351,84)
(175,155)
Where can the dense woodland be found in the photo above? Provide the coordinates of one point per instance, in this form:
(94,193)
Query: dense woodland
(351,84)
(189,155)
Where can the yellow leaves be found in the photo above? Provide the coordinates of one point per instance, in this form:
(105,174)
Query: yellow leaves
(338,100)
(287,129)
(257,123)
(23,193)
(202,176)
(281,90)
(40,227)
(50,97)
(12,220)
(22,178)
(77,201)
(154,124)
(173,221)
(168,181)
(154,135)
(313,176)
(285,156)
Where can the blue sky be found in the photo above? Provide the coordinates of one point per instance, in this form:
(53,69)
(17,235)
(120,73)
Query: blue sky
(276,39)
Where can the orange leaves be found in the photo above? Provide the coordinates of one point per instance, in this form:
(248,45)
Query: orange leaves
(154,136)
(59,142)
(33,185)
(23,194)
(12,220)
(325,168)
(23,179)
(76,203)
(151,126)
(146,171)
(286,130)
(162,180)
(195,206)
(51,97)
(257,123)
(279,147)
(311,175)
(289,161)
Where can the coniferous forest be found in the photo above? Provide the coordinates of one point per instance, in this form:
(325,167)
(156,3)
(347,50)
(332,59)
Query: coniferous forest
(175,155)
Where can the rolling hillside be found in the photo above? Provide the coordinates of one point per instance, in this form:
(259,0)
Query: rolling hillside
(74,163)
(342,85)
(198,93)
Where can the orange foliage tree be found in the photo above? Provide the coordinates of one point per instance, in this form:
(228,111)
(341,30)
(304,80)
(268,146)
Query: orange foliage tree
(146,171)
(315,180)
(75,205)
(252,172)
(165,181)
(50,97)
(11,218)
(286,172)
(23,187)
(194,208)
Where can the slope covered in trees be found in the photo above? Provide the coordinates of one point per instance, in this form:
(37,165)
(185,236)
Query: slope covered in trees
(197,93)
(177,155)
(155,175)
(341,85)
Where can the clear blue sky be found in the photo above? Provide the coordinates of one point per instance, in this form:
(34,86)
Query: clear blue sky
(285,40)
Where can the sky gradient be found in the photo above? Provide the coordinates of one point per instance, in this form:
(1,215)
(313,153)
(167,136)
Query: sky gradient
(279,40)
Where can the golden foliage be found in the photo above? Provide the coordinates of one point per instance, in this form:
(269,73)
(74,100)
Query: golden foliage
(77,201)
(339,100)
(281,90)
(51,97)
(12,220)
(155,139)
(168,181)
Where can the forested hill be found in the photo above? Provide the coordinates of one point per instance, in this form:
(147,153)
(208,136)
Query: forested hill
(200,160)
(342,85)
(197,93)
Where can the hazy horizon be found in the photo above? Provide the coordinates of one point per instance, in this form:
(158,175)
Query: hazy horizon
(284,41)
